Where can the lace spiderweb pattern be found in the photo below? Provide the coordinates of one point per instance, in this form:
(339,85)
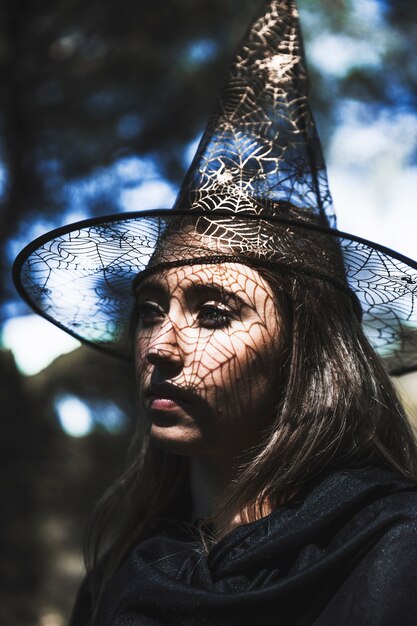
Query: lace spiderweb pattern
(261,147)
(82,281)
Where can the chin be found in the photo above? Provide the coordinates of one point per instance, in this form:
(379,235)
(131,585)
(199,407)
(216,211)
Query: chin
(177,440)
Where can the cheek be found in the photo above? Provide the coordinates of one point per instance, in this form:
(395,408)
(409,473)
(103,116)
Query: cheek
(142,365)
(211,357)
(237,366)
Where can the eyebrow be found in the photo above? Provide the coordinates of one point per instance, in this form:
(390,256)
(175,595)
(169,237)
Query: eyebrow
(194,290)
(214,289)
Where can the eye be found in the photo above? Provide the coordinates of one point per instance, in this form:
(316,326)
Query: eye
(149,313)
(214,316)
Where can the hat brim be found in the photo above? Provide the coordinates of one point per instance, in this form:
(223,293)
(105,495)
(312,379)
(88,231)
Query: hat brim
(80,276)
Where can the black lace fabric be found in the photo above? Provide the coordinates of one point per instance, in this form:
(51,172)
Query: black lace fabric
(257,190)
(261,151)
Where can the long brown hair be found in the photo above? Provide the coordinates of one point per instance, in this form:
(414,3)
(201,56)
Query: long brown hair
(338,409)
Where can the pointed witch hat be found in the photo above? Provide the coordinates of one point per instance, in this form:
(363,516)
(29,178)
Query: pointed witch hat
(256,192)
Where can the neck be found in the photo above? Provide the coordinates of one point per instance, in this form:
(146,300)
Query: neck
(209,478)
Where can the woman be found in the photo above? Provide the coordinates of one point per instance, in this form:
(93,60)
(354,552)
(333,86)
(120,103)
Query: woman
(275,487)
(272,475)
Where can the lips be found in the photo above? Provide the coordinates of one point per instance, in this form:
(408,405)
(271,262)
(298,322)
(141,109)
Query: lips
(167,397)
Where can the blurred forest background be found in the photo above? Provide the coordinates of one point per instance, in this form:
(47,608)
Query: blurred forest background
(101,108)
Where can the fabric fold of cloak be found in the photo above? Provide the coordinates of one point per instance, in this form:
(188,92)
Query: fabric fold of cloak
(344,553)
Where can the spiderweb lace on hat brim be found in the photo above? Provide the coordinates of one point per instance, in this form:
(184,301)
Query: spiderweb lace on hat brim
(81,278)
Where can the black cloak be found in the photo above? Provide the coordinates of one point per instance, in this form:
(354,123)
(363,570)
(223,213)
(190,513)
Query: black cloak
(343,554)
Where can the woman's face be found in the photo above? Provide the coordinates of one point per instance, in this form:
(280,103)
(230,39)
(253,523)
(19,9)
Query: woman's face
(207,349)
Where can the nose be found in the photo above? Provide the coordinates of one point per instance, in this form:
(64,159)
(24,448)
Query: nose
(164,347)
(166,354)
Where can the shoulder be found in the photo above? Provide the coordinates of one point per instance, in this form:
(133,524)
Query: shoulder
(381,587)
(381,495)
(376,509)
(380,532)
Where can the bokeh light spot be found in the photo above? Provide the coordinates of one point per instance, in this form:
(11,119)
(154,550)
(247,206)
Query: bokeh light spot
(74,416)
(35,343)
